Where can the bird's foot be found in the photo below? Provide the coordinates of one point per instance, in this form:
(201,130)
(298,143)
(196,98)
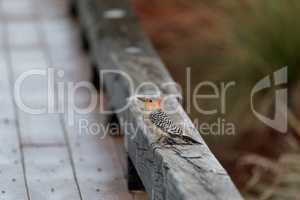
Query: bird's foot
(163,142)
(155,145)
(168,141)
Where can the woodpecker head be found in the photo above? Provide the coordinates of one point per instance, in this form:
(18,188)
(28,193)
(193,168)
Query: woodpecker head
(150,103)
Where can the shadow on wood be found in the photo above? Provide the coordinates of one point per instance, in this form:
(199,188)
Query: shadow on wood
(73,10)
(133,180)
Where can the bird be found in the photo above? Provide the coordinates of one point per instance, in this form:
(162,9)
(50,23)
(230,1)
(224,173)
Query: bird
(169,132)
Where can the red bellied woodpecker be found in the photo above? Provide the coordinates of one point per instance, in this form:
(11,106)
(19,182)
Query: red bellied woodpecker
(161,120)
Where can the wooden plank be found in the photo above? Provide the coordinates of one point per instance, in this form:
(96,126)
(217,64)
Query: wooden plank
(13,9)
(35,129)
(41,129)
(33,87)
(24,60)
(118,43)
(49,172)
(16,34)
(53,9)
(97,164)
(47,163)
(12,185)
(7,111)
(4,86)
(96,161)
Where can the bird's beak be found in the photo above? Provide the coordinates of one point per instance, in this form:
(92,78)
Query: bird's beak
(141,99)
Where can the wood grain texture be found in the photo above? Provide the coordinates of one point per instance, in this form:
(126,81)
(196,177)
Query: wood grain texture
(117,43)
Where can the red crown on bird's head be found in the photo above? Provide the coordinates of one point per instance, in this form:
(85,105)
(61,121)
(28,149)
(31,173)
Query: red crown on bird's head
(151,103)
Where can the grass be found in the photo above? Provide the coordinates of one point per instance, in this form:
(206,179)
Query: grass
(274,179)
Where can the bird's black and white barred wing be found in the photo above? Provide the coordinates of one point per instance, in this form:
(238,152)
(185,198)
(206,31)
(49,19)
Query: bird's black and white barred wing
(162,120)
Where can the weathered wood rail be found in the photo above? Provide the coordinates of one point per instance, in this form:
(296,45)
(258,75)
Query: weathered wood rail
(116,42)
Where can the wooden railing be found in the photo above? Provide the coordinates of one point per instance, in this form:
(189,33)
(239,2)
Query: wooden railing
(111,31)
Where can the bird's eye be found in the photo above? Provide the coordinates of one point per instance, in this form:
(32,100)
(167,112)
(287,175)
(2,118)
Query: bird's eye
(150,100)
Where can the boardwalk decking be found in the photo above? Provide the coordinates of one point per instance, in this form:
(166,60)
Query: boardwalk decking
(42,156)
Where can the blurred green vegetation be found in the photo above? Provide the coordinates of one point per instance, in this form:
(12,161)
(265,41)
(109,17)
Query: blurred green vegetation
(269,31)
(241,41)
